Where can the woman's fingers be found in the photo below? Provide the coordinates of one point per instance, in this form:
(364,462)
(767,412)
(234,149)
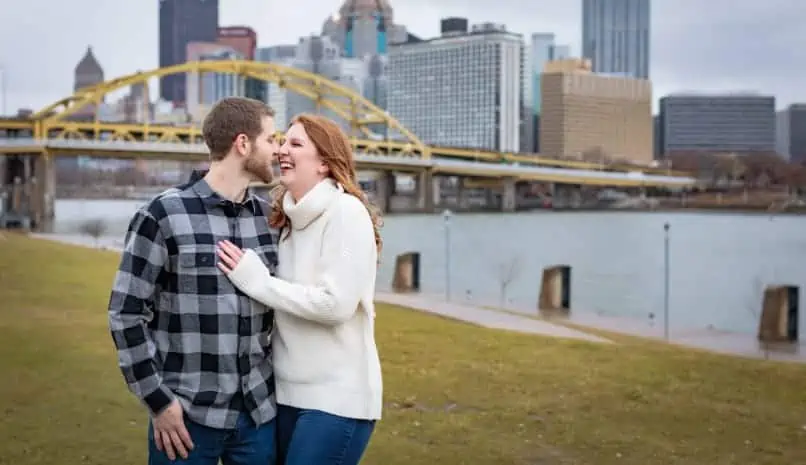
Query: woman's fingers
(229,256)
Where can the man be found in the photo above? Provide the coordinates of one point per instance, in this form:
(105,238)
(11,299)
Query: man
(191,347)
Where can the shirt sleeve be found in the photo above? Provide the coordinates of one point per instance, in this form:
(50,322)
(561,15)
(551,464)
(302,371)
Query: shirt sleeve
(131,307)
(347,264)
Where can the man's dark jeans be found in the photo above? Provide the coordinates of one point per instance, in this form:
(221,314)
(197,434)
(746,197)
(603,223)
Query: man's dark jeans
(247,444)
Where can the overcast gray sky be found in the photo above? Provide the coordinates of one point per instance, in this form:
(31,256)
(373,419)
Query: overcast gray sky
(710,45)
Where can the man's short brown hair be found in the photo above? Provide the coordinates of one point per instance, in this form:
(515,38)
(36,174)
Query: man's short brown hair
(230,117)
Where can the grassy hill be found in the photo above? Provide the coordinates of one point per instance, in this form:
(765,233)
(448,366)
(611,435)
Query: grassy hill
(455,393)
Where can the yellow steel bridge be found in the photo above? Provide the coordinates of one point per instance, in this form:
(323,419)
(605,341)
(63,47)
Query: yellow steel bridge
(57,121)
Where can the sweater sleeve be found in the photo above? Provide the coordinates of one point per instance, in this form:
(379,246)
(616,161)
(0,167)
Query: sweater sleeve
(347,260)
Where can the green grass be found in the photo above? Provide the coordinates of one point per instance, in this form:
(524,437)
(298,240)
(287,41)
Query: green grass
(455,393)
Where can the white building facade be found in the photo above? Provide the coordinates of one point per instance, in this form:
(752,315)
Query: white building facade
(461,90)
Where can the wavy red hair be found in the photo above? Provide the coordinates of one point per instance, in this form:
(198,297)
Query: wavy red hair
(334,150)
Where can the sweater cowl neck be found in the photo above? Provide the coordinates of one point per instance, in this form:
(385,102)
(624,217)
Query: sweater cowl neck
(312,204)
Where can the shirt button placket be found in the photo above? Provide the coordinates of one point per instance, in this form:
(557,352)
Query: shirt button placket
(244,328)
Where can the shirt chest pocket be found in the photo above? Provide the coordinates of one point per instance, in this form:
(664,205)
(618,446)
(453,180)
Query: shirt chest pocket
(268,254)
(197,272)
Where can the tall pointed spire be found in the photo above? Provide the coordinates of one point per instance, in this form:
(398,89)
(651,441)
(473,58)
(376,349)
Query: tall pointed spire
(89,64)
(88,71)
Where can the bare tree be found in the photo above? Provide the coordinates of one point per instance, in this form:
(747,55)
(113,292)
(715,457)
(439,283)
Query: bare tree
(95,228)
(508,271)
(794,177)
(764,169)
(727,167)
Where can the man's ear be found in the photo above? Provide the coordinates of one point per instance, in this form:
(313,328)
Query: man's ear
(242,145)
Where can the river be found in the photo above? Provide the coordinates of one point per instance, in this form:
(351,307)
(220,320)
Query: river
(719,262)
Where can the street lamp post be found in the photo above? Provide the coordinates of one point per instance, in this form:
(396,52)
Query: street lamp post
(4,90)
(446,216)
(666,281)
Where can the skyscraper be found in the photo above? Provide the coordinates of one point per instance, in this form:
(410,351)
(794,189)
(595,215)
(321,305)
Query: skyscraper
(791,132)
(615,36)
(364,28)
(460,89)
(320,55)
(198,97)
(276,95)
(243,39)
(88,72)
(585,114)
(541,50)
(717,123)
(182,22)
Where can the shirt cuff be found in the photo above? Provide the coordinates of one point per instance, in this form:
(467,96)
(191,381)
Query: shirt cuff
(158,400)
(248,269)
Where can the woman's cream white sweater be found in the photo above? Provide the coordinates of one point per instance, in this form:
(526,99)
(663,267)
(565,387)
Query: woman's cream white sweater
(324,351)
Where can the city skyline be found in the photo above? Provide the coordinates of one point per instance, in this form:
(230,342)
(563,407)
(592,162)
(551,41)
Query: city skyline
(124,39)
(616,36)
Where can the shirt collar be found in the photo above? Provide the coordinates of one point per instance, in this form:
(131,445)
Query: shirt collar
(212,199)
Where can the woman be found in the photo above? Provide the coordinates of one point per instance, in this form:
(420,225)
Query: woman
(326,365)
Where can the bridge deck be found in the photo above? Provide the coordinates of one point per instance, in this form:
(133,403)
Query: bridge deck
(195,151)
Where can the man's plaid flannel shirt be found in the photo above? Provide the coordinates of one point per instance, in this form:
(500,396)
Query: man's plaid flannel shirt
(181,329)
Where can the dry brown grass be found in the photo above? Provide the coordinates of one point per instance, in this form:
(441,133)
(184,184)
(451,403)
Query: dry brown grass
(455,393)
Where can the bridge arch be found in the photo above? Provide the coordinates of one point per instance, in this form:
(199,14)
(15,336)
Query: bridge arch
(343,101)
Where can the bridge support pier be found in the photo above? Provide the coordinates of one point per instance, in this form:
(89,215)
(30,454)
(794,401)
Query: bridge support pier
(460,193)
(566,196)
(43,192)
(425,192)
(384,189)
(5,186)
(509,195)
(28,194)
(16,205)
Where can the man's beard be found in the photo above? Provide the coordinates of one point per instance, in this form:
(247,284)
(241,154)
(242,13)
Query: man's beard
(261,172)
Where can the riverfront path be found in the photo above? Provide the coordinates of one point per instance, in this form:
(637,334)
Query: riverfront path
(484,317)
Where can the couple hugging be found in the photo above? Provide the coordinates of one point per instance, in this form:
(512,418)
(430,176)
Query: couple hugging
(246,328)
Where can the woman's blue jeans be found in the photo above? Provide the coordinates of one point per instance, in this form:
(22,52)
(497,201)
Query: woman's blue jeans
(306,437)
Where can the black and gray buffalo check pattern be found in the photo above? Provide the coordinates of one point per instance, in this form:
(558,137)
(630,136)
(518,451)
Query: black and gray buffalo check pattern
(181,329)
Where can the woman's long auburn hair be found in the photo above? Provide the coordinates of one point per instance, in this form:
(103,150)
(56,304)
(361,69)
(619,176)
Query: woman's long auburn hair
(334,150)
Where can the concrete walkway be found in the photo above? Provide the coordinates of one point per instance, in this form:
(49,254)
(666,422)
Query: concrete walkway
(484,317)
